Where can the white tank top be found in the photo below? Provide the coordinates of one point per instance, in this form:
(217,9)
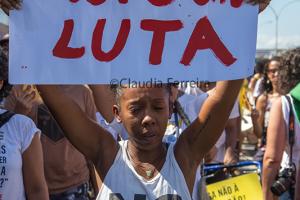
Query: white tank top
(296,146)
(122,182)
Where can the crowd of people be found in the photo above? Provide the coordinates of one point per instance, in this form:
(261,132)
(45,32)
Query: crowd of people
(81,142)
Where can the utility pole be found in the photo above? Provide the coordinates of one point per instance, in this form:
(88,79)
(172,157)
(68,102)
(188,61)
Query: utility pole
(277,16)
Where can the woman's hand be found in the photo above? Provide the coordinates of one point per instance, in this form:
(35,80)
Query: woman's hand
(33,171)
(262,3)
(24,99)
(254,115)
(7,5)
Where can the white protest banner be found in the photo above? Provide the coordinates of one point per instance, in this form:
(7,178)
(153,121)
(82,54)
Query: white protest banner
(99,41)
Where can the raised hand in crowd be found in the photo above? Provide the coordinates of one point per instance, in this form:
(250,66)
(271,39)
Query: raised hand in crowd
(7,5)
(254,117)
(24,98)
(263,4)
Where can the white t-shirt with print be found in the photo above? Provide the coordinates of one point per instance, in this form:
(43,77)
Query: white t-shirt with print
(15,137)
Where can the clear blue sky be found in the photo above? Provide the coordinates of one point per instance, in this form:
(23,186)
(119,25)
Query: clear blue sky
(288,25)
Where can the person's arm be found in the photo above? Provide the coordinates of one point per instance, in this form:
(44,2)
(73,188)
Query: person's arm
(258,115)
(84,133)
(232,131)
(276,139)
(90,110)
(33,171)
(104,105)
(89,104)
(252,83)
(197,139)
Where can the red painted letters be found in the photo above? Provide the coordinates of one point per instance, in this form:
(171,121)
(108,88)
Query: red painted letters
(201,2)
(74,1)
(96,2)
(121,40)
(61,48)
(159,28)
(123,1)
(205,37)
(236,3)
(160,2)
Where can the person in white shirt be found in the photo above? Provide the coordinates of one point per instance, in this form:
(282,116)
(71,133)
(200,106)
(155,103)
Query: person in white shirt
(21,158)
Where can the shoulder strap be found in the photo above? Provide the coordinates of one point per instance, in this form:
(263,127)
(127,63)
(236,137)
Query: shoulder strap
(5,117)
(264,127)
(179,109)
(291,127)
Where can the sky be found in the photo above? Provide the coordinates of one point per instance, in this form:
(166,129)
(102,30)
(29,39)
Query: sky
(288,25)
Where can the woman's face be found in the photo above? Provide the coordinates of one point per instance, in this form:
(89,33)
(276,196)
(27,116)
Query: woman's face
(144,112)
(273,68)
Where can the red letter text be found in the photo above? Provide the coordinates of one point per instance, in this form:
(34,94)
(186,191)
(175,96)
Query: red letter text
(160,2)
(61,48)
(201,2)
(205,37)
(96,2)
(236,3)
(121,40)
(159,29)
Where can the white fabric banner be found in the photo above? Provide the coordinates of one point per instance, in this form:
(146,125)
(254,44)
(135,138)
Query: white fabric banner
(131,41)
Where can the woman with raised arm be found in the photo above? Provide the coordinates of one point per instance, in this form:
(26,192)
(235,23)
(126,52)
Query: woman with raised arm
(143,167)
(152,169)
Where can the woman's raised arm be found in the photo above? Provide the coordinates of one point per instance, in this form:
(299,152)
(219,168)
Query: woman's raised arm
(85,134)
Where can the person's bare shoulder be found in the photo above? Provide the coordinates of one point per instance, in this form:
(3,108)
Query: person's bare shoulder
(262,99)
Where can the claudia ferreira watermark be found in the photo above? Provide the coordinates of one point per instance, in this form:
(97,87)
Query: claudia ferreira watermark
(154,82)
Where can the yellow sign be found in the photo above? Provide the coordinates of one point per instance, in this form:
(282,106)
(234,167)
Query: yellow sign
(244,187)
